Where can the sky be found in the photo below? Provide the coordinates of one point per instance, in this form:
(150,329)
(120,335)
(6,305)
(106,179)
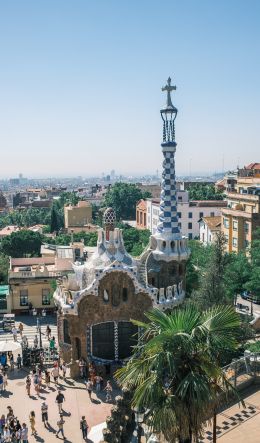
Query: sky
(80,85)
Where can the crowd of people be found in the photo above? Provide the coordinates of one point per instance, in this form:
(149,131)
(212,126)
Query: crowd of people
(11,430)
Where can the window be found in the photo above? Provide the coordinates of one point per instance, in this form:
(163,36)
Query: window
(179,224)
(212,214)
(137,217)
(141,218)
(179,214)
(190,225)
(66,334)
(3,301)
(246,243)
(226,222)
(103,345)
(179,198)
(24,297)
(226,237)
(190,214)
(201,214)
(190,236)
(124,296)
(246,227)
(234,225)
(46,299)
(234,242)
(127,338)
(144,219)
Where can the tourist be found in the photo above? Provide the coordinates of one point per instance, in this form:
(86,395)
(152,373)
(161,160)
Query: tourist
(1,382)
(28,385)
(89,387)
(55,374)
(47,378)
(11,361)
(98,383)
(7,434)
(24,433)
(35,341)
(10,413)
(36,382)
(25,343)
(3,360)
(59,400)
(109,390)
(19,361)
(82,367)
(5,380)
(44,410)
(14,332)
(60,424)
(20,327)
(52,345)
(64,369)
(48,332)
(2,423)
(32,422)
(84,427)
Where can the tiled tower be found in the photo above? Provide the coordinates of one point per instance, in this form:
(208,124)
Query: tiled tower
(168,241)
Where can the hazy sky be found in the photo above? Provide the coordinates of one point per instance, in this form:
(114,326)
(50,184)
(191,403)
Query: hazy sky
(80,84)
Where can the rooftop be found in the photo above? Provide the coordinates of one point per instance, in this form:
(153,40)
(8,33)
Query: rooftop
(212,222)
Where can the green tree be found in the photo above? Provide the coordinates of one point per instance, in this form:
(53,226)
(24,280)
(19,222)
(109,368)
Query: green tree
(236,274)
(253,283)
(212,289)
(23,243)
(196,264)
(4,266)
(122,197)
(175,373)
(55,223)
(201,191)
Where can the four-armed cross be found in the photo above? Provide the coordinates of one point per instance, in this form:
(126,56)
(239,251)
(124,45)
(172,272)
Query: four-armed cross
(169,88)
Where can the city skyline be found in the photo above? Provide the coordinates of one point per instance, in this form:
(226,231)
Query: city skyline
(81,86)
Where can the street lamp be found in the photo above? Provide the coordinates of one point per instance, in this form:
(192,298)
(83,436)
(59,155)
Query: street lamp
(139,419)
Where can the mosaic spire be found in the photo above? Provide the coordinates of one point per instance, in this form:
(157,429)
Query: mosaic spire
(168,220)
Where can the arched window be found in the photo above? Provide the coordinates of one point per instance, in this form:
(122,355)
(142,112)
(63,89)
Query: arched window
(66,334)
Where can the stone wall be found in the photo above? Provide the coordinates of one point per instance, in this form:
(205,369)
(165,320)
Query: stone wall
(122,304)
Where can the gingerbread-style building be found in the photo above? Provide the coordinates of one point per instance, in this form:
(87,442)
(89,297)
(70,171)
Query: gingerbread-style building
(96,303)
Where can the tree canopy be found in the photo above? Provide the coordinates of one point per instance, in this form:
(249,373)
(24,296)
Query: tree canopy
(175,372)
(23,243)
(122,197)
(201,191)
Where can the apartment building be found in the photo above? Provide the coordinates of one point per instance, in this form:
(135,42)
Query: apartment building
(77,218)
(141,214)
(209,227)
(189,213)
(242,216)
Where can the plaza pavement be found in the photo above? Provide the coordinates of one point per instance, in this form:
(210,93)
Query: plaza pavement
(76,404)
(239,424)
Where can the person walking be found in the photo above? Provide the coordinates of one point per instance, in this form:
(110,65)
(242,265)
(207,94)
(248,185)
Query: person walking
(47,378)
(52,345)
(19,361)
(84,427)
(20,327)
(1,382)
(28,385)
(14,332)
(32,422)
(89,387)
(55,374)
(98,383)
(11,360)
(44,411)
(60,424)
(64,369)
(6,434)
(24,433)
(108,390)
(48,332)
(5,380)
(35,341)
(59,400)
(36,383)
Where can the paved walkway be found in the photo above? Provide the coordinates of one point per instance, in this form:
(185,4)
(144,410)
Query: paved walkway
(30,328)
(76,404)
(239,423)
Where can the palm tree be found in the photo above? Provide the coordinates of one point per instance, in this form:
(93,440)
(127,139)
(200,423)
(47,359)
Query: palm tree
(174,371)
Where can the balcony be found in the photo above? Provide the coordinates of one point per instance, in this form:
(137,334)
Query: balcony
(33,274)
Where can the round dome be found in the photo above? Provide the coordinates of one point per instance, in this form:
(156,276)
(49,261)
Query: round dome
(109,217)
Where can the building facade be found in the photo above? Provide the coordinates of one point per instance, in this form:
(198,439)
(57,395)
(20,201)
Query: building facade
(76,218)
(242,216)
(141,214)
(96,305)
(209,227)
(189,213)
